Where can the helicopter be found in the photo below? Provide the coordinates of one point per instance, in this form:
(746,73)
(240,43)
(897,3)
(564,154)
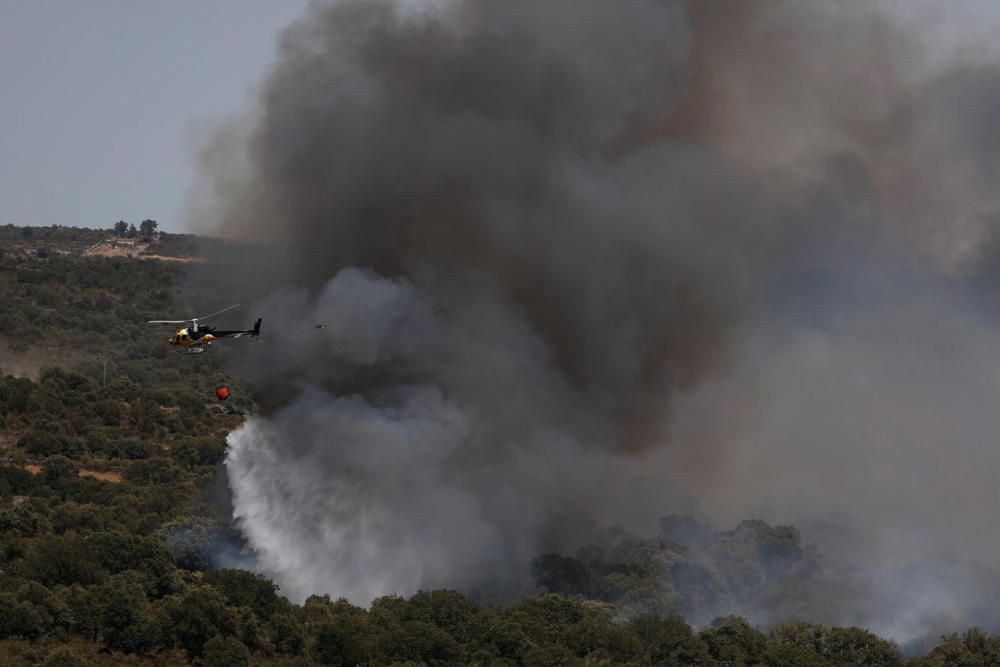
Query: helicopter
(195,339)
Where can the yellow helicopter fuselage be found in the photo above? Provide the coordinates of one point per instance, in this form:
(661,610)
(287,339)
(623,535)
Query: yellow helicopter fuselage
(185,339)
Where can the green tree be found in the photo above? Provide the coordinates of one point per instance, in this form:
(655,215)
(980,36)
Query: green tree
(448,610)
(498,638)
(84,610)
(61,559)
(246,589)
(58,470)
(788,654)
(121,227)
(734,642)
(78,517)
(549,655)
(806,643)
(16,395)
(156,470)
(110,412)
(51,609)
(225,652)
(560,574)
(66,658)
(974,648)
(813,645)
(116,551)
(44,443)
(125,620)
(670,641)
(286,633)
(199,615)
(345,639)
(420,642)
(18,619)
(192,541)
(19,481)
(191,453)
(856,646)
(23,519)
(147,228)
(191,403)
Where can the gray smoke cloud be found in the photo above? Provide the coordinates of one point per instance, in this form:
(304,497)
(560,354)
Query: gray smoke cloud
(639,257)
(874,432)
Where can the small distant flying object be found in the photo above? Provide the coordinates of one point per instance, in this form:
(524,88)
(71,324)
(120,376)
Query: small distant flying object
(195,338)
(320,326)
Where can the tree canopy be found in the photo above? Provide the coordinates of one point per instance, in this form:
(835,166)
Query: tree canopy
(110,553)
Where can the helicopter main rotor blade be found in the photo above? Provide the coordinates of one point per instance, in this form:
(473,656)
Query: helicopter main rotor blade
(193,319)
(215,313)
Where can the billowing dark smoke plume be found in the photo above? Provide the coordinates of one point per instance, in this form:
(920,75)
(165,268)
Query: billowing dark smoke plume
(624,256)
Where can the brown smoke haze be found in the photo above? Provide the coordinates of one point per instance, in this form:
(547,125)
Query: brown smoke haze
(638,257)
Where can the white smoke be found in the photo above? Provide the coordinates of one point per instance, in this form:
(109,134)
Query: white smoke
(875,431)
(417,485)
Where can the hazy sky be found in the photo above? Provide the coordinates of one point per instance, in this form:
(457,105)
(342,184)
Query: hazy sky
(103,100)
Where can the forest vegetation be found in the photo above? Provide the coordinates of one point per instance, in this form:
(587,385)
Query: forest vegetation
(115,551)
